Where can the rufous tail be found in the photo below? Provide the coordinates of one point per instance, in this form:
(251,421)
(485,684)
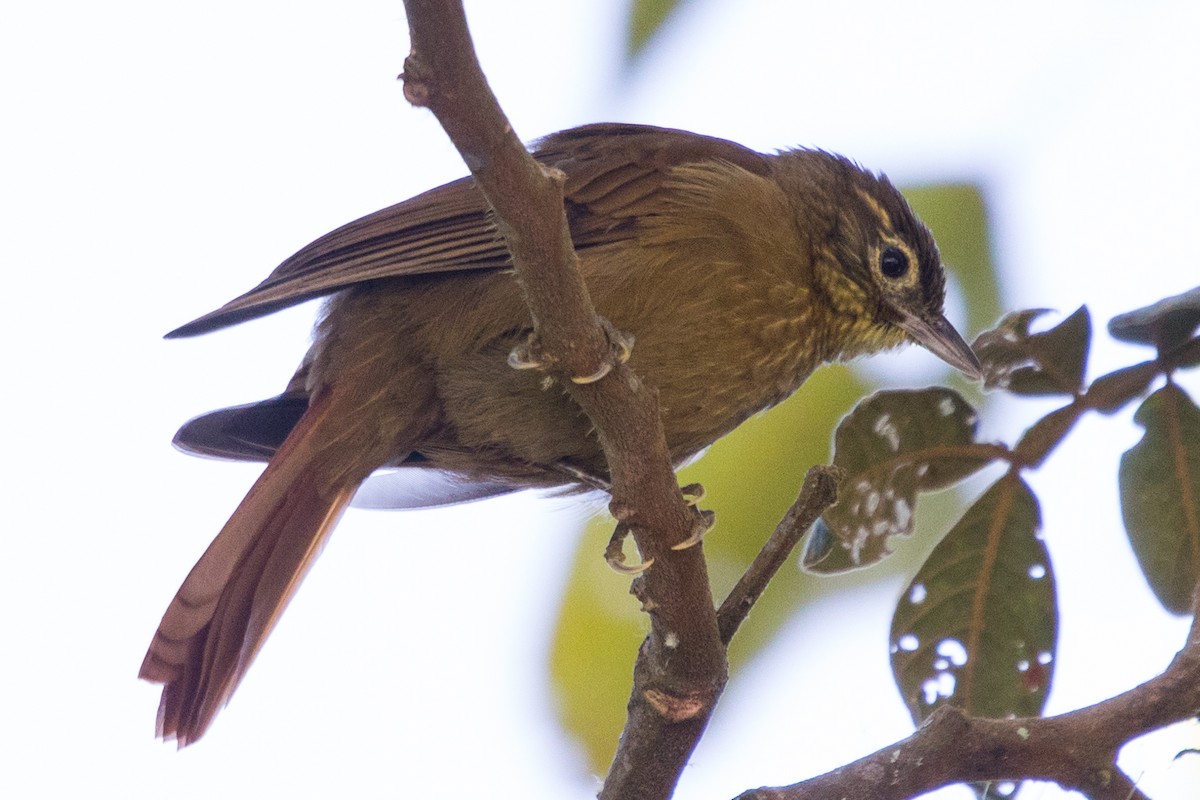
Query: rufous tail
(229,602)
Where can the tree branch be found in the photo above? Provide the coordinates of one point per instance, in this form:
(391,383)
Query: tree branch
(681,666)
(818,493)
(1076,750)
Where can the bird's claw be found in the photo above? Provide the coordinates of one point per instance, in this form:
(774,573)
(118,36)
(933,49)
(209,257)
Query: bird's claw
(605,368)
(614,553)
(620,349)
(523,356)
(693,493)
(704,523)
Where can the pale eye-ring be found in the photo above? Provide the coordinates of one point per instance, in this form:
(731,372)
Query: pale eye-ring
(893,263)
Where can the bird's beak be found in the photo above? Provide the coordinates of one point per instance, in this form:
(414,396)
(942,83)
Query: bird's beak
(938,336)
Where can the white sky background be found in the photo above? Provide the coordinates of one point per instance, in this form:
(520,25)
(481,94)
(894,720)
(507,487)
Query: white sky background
(159,159)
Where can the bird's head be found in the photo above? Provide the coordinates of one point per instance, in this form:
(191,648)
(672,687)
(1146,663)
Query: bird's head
(881,267)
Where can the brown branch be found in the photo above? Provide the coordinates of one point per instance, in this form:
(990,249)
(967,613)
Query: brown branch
(1076,750)
(681,667)
(818,493)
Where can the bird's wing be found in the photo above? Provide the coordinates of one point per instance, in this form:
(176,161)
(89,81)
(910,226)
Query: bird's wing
(615,174)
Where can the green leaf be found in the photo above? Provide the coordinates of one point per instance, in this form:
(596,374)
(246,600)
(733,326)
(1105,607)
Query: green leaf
(1111,392)
(1160,496)
(1049,363)
(596,639)
(978,624)
(646,18)
(893,445)
(1165,325)
(1186,355)
(1045,434)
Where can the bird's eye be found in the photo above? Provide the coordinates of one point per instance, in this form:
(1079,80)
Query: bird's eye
(893,263)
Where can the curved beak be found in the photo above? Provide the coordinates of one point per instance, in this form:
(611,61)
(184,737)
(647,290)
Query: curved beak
(939,337)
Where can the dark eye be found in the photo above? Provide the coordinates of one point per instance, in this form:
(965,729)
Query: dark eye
(893,263)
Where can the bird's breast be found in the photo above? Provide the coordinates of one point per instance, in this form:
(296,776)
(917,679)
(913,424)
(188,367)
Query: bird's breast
(717,338)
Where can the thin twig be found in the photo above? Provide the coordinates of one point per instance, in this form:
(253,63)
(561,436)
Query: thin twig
(818,493)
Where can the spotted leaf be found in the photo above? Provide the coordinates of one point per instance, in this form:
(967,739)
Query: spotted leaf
(892,446)
(1052,362)
(977,626)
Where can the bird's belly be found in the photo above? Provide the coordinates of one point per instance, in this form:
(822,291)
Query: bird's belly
(520,421)
(712,359)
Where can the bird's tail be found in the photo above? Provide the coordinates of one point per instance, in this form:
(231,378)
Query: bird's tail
(229,602)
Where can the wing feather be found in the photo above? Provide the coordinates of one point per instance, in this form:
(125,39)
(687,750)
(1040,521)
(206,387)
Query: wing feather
(615,175)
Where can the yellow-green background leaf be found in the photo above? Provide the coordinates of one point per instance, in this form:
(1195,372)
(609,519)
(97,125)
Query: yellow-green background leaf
(958,216)
(751,477)
(646,17)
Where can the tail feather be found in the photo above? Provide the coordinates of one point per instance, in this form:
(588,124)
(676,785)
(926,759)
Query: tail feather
(232,598)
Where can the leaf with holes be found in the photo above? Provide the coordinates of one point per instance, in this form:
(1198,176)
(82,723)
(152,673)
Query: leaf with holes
(893,445)
(1166,324)
(1049,363)
(977,626)
(1160,496)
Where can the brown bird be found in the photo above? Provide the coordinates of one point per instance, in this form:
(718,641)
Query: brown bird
(738,274)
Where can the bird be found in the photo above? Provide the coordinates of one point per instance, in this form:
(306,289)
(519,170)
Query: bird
(735,273)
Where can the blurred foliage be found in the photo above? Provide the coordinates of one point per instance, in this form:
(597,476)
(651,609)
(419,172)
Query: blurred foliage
(957,215)
(646,18)
(751,478)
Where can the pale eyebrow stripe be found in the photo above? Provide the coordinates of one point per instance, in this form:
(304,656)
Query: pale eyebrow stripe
(879,210)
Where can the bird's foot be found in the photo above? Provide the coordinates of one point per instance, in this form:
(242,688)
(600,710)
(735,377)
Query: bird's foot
(705,520)
(620,346)
(692,493)
(528,354)
(614,553)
